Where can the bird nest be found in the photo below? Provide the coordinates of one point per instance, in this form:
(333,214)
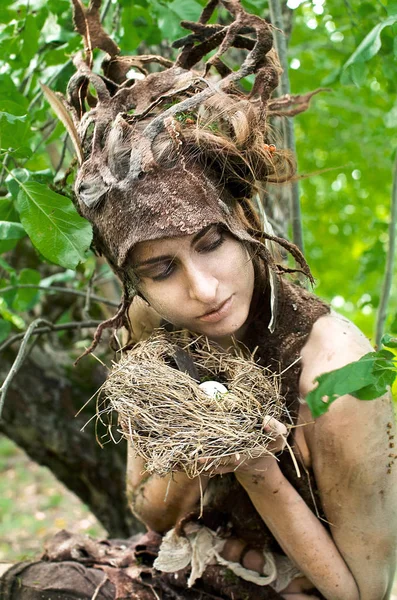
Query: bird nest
(172,422)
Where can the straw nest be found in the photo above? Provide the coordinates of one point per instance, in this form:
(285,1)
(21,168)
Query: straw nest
(172,423)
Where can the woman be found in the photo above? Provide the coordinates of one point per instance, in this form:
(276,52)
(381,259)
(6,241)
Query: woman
(205,283)
(170,169)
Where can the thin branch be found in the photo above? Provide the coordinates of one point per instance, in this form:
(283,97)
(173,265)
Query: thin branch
(105,10)
(33,329)
(49,328)
(63,154)
(88,296)
(55,288)
(276,18)
(3,167)
(388,277)
(19,359)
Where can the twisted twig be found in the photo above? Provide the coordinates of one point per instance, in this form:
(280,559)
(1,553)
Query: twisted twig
(388,277)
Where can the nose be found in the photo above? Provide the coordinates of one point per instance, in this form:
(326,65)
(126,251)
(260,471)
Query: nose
(203,285)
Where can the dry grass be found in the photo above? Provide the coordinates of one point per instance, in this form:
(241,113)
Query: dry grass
(172,423)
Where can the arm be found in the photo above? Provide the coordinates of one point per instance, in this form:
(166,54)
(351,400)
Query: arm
(301,535)
(160,501)
(350,447)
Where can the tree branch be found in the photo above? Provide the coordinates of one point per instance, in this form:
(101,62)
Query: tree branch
(276,18)
(19,359)
(33,329)
(55,288)
(49,328)
(388,276)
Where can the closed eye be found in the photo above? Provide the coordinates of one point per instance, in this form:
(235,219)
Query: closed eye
(213,245)
(163,272)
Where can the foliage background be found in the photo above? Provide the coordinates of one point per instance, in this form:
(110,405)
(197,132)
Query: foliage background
(351,131)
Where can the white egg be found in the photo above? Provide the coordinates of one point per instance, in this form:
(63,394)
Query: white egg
(213,388)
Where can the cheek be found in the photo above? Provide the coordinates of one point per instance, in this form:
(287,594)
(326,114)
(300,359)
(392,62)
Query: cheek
(163,299)
(241,266)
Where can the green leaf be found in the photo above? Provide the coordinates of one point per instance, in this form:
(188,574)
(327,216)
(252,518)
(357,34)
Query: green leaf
(170,14)
(138,25)
(9,92)
(25,299)
(186,11)
(10,294)
(358,73)
(368,48)
(389,341)
(8,315)
(14,125)
(7,245)
(7,210)
(5,328)
(366,379)
(53,224)
(346,380)
(11,231)
(4,265)
(13,179)
(392,8)
(30,38)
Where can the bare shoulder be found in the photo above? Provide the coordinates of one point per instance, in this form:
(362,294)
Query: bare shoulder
(333,342)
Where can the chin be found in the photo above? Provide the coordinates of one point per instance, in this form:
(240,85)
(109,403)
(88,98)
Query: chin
(217,331)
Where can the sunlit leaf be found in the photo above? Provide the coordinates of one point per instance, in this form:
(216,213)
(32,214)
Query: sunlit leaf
(8,315)
(370,46)
(53,224)
(389,341)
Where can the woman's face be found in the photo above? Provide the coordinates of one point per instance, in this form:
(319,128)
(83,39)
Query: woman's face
(202,282)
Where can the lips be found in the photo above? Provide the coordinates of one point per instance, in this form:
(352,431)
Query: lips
(218,312)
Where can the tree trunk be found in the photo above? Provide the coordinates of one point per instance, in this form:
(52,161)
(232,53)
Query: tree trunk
(39,416)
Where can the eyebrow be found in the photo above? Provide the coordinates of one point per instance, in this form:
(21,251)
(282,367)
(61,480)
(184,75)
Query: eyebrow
(158,259)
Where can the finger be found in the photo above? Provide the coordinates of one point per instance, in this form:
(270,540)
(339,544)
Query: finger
(271,425)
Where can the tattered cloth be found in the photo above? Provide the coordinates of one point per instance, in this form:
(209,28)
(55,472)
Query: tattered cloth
(78,567)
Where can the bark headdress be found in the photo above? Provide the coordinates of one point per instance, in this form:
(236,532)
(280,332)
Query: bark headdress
(167,152)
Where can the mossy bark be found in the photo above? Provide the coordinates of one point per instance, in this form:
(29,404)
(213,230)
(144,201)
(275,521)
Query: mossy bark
(40,416)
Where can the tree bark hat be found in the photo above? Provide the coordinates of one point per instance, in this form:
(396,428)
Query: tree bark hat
(162,203)
(166,153)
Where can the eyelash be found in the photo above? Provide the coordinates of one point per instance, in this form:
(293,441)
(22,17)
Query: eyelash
(170,269)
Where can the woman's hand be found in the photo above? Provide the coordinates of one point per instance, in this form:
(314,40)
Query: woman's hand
(243,465)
